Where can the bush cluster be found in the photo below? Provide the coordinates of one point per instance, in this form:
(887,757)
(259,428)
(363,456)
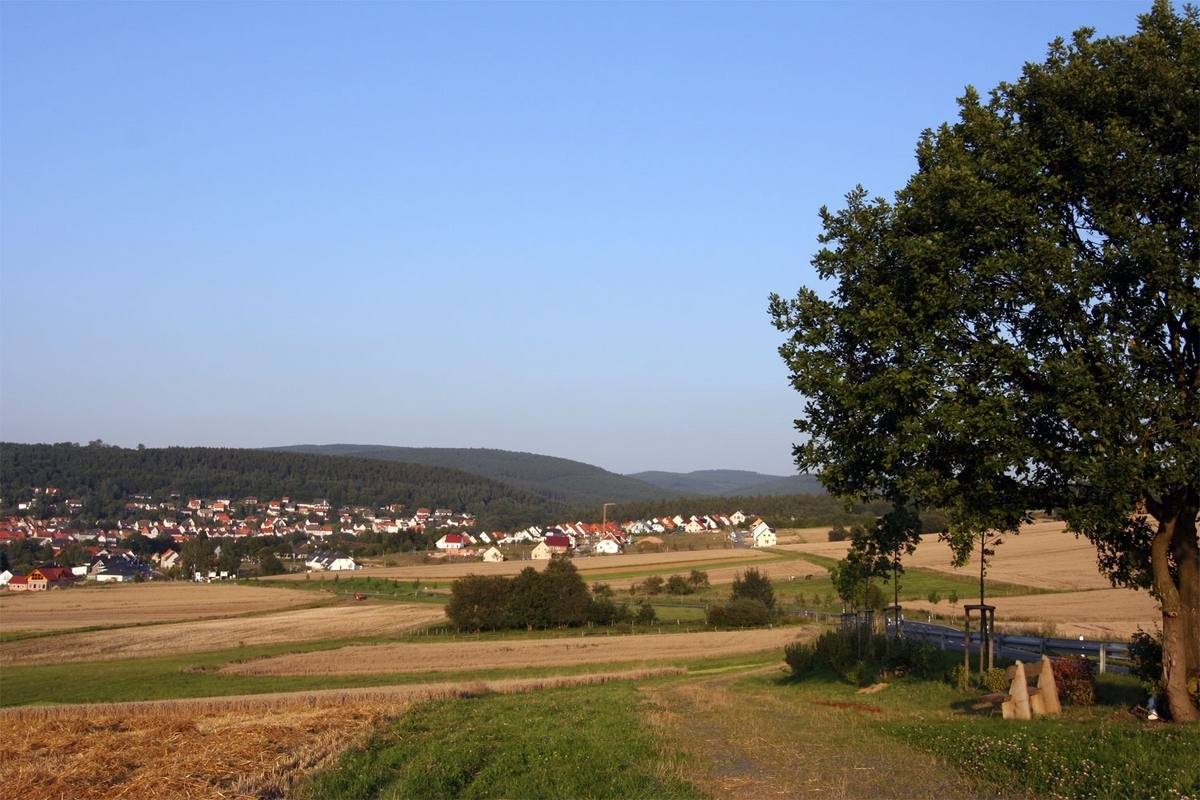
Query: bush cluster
(554,598)
(1076,680)
(751,605)
(861,661)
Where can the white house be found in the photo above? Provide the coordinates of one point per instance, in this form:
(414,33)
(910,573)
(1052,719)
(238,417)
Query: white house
(764,535)
(330,560)
(542,552)
(493,556)
(608,547)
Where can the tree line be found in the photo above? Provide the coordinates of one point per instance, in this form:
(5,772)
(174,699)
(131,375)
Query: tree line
(105,477)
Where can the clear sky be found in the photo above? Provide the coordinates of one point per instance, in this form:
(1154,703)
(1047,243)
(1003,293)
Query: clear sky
(546,227)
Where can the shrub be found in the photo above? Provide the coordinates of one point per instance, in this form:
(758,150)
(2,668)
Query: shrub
(653,584)
(1145,653)
(1076,679)
(995,679)
(678,585)
(646,615)
(838,534)
(740,612)
(754,585)
(862,673)
(959,677)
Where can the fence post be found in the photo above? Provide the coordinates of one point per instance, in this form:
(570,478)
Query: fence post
(1103,656)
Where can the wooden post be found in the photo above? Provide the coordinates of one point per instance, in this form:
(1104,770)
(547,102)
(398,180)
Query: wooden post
(1103,653)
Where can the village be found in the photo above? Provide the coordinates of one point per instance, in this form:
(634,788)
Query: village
(302,536)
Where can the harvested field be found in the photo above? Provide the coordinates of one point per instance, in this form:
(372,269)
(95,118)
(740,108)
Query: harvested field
(520,653)
(682,560)
(346,620)
(254,746)
(1043,556)
(1101,614)
(139,604)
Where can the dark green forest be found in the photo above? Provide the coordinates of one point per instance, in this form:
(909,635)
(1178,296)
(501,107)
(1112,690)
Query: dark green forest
(106,477)
(558,479)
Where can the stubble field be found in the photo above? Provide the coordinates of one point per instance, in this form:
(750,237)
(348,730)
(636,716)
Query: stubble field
(568,651)
(96,606)
(344,619)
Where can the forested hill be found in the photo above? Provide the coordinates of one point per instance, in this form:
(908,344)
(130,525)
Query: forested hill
(105,477)
(732,483)
(572,482)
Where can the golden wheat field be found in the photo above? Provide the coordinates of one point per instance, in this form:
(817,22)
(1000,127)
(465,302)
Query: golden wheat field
(344,619)
(567,651)
(254,746)
(1043,555)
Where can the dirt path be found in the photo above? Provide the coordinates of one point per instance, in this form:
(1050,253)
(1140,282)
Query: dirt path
(752,743)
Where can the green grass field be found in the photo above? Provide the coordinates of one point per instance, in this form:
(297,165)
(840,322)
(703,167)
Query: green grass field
(582,742)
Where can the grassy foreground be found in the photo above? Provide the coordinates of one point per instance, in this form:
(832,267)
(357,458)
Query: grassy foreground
(734,732)
(580,742)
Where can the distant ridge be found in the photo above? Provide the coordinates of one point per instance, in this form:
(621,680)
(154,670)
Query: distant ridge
(732,483)
(559,479)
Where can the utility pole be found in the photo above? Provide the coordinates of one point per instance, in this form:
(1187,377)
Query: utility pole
(605,512)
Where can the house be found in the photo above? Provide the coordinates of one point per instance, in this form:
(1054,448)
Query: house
(5,577)
(117,568)
(452,541)
(45,578)
(557,543)
(542,552)
(738,518)
(493,556)
(607,546)
(764,535)
(330,560)
(18,583)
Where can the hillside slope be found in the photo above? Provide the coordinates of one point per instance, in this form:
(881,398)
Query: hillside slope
(558,479)
(731,483)
(105,477)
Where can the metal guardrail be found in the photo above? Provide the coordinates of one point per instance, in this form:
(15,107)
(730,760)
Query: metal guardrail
(1006,645)
(1011,646)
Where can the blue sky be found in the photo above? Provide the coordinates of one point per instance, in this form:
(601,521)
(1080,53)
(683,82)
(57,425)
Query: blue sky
(546,227)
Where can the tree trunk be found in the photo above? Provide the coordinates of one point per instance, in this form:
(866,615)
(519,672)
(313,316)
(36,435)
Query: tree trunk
(1185,549)
(1179,623)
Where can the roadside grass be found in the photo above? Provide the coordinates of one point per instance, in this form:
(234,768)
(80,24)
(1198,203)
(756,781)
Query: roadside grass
(1099,751)
(583,742)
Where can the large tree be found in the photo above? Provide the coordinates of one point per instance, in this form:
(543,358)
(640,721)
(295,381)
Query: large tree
(1019,328)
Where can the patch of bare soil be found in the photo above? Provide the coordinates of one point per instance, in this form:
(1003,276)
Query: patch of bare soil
(751,743)
(256,746)
(518,653)
(137,604)
(346,620)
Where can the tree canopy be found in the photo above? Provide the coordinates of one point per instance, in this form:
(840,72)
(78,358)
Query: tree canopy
(1019,328)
